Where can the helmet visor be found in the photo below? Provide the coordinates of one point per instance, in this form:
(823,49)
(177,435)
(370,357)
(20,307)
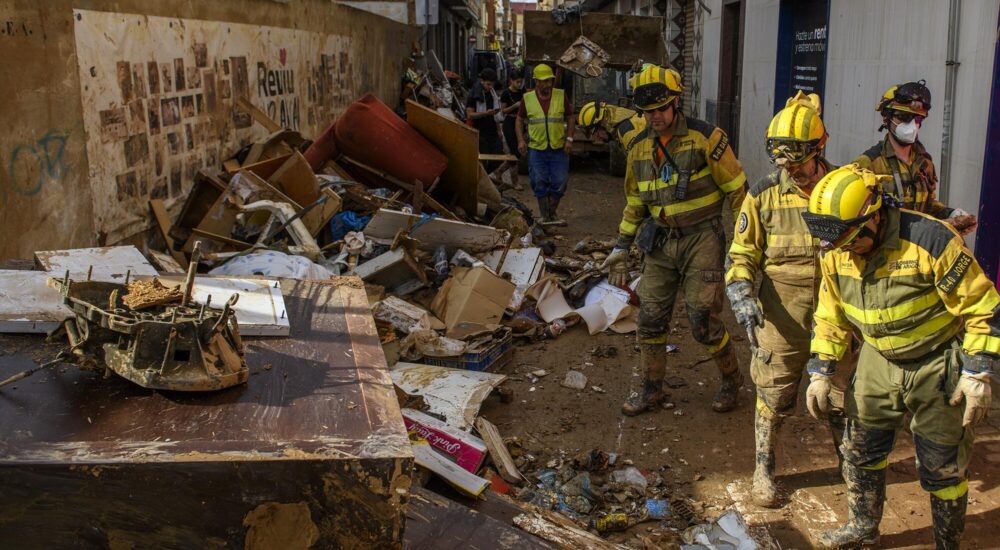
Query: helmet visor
(832,231)
(790,150)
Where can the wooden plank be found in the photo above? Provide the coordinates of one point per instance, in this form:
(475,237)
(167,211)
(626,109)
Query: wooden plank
(296,179)
(498,451)
(460,144)
(163,223)
(498,158)
(264,168)
(470,237)
(258,115)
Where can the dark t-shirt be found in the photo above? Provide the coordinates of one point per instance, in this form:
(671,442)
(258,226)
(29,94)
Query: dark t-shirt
(508,98)
(486,123)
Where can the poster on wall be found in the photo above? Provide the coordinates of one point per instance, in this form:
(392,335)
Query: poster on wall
(159,102)
(803,26)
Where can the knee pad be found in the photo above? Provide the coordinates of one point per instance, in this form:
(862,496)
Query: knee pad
(868,448)
(938,467)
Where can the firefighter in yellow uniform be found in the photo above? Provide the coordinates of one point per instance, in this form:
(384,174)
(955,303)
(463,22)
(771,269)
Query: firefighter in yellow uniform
(677,179)
(772,237)
(611,121)
(901,155)
(930,320)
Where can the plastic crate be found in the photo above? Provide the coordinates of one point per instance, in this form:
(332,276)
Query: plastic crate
(491,358)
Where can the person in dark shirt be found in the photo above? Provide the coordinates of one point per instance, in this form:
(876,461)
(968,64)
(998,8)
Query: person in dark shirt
(483,112)
(510,103)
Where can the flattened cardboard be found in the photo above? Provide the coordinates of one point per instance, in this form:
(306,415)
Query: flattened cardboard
(472,295)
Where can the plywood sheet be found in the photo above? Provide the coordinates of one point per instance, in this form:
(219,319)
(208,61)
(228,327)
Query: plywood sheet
(459,143)
(431,233)
(27,304)
(110,263)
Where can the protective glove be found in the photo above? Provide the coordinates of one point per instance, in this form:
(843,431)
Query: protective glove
(962,221)
(617,265)
(818,395)
(818,392)
(975,389)
(746,308)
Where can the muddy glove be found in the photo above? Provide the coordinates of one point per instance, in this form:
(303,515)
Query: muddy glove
(617,265)
(746,308)
(818,392)
(974,387)
(962,221)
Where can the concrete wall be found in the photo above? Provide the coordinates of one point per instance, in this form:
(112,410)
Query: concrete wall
(45,186)
(873,45)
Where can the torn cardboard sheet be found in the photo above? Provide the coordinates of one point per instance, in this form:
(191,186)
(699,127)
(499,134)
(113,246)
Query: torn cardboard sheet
(473,295)
(605,306)
(431,233)
(524,265)
(110,264)
(455,394)
(465,449)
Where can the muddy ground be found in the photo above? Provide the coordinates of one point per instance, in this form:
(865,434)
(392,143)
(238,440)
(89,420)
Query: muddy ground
(706,455)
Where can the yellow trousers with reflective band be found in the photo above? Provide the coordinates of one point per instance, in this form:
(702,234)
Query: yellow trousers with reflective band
(778,365)
(691,264)
(877,401)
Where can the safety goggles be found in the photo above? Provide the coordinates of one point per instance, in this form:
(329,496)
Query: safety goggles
(659,109)
(790,151)
(832,231)
(905,117)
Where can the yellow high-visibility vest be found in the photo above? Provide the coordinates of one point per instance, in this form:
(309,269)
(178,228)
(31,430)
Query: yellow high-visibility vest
(546,130)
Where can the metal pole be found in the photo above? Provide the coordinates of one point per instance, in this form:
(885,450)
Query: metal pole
(950,79)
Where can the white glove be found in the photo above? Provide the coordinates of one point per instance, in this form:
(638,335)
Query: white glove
(818,395)
(975,389)
(956,212)
(617,266)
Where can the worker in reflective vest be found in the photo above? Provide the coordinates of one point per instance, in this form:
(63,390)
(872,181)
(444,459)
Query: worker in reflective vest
(550,121)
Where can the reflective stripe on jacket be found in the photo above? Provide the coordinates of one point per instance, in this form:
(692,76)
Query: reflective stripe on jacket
(697,148)
(546,130)
(771,234)
(918,179)
(921,289)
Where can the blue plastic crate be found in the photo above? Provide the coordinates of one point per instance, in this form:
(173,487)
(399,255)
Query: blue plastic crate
(489,359)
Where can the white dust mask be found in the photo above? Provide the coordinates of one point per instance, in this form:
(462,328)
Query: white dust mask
(906,132)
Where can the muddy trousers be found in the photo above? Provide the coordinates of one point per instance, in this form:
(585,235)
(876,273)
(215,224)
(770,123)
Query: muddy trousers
(692,265)
(880,395)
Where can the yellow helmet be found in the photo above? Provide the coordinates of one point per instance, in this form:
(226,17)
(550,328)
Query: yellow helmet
(841,203)
(796,134)
(542,72)
(911,97)
(590,114)
(655,87)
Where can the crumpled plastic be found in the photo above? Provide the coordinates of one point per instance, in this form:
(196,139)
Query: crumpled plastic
(428,343)
(273,263)
(347,221)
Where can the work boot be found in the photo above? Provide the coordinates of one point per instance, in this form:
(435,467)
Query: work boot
(553,206)
(732,380)
(766,424)
(949,521)
(654,366)
(865,498)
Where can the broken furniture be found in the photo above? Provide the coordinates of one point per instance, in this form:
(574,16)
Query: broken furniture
(584,58)
(316,440)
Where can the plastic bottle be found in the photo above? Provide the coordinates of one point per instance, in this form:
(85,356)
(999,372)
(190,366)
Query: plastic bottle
(441,263)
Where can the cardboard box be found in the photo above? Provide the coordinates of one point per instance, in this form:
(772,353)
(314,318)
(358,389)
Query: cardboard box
(465,449)
(473,295)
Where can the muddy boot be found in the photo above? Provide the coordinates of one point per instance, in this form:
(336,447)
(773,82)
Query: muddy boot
(865,497)
(654,366)
(543,209)
(765,492)
(949,521)
(553,206)
(732,380)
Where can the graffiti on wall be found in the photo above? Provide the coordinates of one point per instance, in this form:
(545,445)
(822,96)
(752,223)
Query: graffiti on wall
(31,164)
(160,104)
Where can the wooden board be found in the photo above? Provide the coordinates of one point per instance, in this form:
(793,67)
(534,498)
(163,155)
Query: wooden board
(498,158)
(163,223)
(317,427)
(498,451)
(460,144)
(295,178)
(111,263)
(470,237)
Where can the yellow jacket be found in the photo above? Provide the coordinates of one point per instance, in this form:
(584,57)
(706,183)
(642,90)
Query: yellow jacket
(922,288)
(771,234)
(625,124)
(701,150)
(915,185)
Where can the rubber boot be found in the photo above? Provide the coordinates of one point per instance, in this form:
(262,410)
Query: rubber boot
(949,521)
(543,209)
(865,498)
(732,380)
(766,425)
(654,366)
(553,215)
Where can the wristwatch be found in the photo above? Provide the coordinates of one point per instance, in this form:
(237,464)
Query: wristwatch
(569,139)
